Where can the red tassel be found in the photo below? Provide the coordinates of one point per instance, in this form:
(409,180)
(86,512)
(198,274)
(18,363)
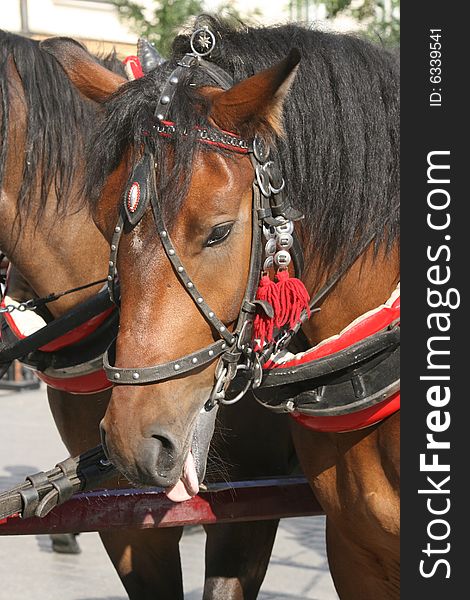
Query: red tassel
(263,326)
(293,299)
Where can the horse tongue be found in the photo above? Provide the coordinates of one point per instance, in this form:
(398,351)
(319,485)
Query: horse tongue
(188,485)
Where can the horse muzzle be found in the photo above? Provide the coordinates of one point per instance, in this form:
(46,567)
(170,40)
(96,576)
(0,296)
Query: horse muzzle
(161,459)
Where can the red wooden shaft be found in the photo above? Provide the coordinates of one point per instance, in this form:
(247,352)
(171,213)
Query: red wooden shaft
(112,509)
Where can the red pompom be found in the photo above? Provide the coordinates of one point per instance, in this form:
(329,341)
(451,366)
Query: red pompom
(293,299)
(263,326)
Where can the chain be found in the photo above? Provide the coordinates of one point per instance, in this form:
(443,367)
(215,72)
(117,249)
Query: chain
(35,303)
(22,307)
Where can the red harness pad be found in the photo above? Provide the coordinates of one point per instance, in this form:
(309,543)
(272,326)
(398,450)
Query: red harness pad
(364,326)
(88,382)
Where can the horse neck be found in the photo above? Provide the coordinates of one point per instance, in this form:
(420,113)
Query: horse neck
(367,284)
(52,253)
(58,254)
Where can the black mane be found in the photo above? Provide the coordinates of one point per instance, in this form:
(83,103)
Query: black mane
(340,157)
(59,121)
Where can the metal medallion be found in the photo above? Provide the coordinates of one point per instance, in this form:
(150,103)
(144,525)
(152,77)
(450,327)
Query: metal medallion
(133,197)
(285,241)
(202,42)
(282,258)
(260,149)
(268,231)
(270,247)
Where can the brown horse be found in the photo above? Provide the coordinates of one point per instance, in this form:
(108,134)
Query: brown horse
(47,233)
(332,123)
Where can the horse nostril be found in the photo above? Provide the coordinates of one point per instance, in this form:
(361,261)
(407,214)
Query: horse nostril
(166,443)
(167,446)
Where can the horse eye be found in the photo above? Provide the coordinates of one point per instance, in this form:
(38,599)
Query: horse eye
(219,234)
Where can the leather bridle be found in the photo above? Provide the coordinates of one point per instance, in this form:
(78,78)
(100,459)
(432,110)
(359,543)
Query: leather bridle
(271,215)
(270,210)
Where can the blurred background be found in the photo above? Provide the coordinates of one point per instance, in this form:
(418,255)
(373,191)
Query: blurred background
(106,24)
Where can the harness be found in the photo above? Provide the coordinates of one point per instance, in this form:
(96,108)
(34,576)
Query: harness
(346,382)
(65,353)
(369,366)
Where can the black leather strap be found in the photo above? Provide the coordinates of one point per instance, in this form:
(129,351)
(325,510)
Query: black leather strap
(72,319)
(357,353)
(173,368)
(43,491)
(340,392)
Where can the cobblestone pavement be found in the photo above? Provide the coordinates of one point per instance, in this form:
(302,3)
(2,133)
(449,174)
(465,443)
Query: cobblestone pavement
(30,570)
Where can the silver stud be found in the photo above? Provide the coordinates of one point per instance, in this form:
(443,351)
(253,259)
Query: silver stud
(171,252)
(177,367)
(111,264)
(222,328)
(164,99)
(194,360)
(163,233)
(223,346)
(110,278)
(117,229)
(287,227)
(190,285)
(180,269)
(160,117)
(290,406)
(285,240)
(269,231)
(282,258)
(270,247)
(135,376)
(232,341)
(268,263)
(174,80)
(113,247)
(211,353)
(211,314)
(117,375)
(200,300)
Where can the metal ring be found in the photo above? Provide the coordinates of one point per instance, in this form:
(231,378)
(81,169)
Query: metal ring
(266,168)
(279,189)
(262,179)
(209,40)
(238,397)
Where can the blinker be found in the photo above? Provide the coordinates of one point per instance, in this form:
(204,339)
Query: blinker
(148,55)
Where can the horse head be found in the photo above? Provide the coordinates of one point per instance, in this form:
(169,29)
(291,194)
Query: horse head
(175,183)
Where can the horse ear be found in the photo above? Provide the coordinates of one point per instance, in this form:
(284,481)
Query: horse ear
(93,80)
(255,104)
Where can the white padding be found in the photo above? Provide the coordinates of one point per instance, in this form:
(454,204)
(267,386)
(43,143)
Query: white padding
(27,322)
(285,356)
